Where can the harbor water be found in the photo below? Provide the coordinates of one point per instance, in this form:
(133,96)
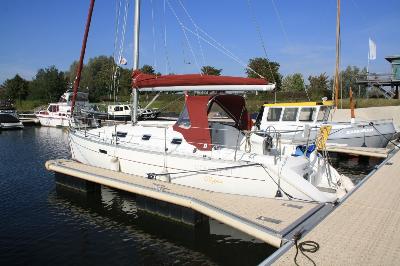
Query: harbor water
(42,224)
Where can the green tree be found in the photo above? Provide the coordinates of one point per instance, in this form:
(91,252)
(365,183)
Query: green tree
(294,82)
(209,70)
(319,86)
(15,88)
(48,84)
(147,69)
(267,69)
(348,79)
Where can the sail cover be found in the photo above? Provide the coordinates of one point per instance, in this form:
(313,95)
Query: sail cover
(197,82)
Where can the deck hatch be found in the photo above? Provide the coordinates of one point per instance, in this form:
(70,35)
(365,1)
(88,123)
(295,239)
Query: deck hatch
(146,137)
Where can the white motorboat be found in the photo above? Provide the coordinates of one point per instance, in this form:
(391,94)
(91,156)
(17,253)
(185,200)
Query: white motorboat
(123,112)
(9,117)
(301,122)
(209,147)
(59,114)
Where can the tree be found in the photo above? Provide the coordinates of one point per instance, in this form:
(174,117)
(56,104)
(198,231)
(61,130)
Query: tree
(348,79)
(267,69)
(49,84)
(319,86)
(147,69)
(15,88)
(294,82)
(209,70)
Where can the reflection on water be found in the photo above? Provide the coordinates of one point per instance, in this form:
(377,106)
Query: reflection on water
(355,167)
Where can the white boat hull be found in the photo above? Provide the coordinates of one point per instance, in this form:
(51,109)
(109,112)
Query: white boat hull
(245,176)
(53,121)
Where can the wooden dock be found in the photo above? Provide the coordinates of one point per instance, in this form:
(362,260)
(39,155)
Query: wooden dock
(271,220)
(362,230)
(363,151)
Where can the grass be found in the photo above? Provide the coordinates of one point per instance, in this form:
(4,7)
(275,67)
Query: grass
(372,102)
(28,106)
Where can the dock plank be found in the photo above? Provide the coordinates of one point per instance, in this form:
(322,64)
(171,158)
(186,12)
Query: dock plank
(363,230)
(364,151)
(266,219)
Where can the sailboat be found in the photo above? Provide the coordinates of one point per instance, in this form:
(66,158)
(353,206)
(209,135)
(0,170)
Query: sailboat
(209,147)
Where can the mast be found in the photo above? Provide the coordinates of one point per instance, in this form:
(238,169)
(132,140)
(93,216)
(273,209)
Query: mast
(135,60)
(83,49)
(337,55)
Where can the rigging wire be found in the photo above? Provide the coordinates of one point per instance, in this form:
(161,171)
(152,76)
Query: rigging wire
(222,49)
(154,34)
(206,38)
(261,38)
(197,31)
(185,34)
(119,42)
(280,21)
(167,63)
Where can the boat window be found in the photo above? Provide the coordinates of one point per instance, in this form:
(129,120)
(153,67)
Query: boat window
(184,120)
(126,107)
(217,114)
(274,114)
(53,108)
(323,113)
(307,114)
(290,114)
(118,108)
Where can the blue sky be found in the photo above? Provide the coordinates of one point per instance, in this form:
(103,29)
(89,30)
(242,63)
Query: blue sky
(299,34)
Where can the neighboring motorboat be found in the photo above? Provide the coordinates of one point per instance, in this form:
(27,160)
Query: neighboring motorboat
(119,112)
(301,122)
(123,112)
(59,114)
(9,117)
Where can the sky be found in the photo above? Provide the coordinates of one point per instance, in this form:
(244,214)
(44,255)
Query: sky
(298,34)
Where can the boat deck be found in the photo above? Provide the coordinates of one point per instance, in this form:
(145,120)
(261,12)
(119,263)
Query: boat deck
(270,220)
(363,229)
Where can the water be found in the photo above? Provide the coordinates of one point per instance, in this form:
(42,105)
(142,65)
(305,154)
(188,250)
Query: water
(354,167)
(44,224)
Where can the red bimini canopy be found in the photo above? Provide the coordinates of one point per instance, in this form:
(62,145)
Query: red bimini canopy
(197,82)
(193,122)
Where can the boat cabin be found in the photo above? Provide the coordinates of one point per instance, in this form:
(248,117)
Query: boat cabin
(293,113)
(81,97)
(119,110)
(213,121)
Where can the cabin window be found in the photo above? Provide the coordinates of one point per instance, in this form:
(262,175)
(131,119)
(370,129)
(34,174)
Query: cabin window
(217,114)
(184,120)
(323,113)
(53,108)
(290,114)
(118,108)
(126,107)
(274,114)
(307,114)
